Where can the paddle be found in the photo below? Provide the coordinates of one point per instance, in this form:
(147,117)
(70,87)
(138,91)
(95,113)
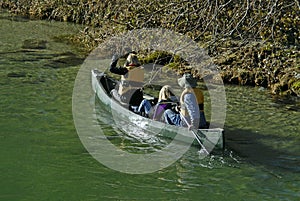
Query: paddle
(195,135)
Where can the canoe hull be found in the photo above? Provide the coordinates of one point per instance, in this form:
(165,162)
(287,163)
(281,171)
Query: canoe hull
(212,139)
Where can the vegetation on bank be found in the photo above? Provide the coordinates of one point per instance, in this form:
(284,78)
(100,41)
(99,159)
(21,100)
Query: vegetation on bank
(253,42)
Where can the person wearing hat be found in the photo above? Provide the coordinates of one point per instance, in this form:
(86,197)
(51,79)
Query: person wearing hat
(132,78)
(191,112)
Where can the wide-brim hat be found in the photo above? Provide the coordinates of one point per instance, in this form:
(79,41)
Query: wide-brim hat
(132,60)
(187,80)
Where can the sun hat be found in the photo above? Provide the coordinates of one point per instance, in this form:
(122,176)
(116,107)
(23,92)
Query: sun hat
(187,81)
(132,60)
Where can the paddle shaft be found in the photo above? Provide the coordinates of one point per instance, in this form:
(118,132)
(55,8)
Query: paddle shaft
(195,135)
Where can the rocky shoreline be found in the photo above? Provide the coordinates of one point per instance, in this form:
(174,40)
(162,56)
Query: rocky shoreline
(258,46)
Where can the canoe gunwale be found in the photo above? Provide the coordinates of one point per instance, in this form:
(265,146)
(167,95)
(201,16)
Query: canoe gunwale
(106,98)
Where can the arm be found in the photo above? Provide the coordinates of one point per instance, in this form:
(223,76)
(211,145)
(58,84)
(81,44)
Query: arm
(192,108)
(117,70)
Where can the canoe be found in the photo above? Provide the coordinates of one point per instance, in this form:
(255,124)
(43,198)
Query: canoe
(102,84)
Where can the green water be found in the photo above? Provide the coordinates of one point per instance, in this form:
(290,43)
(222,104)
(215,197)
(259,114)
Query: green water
(42,157)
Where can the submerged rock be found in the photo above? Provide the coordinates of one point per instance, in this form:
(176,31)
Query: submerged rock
(65,60)
(16,74)
(34,44)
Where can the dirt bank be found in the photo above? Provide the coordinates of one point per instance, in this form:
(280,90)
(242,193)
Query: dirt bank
(254,43)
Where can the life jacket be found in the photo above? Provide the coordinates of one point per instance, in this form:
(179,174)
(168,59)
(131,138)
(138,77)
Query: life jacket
(199,98)
(159,109)
(133,80)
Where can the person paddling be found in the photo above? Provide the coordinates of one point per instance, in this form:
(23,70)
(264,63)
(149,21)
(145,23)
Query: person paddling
(190,112)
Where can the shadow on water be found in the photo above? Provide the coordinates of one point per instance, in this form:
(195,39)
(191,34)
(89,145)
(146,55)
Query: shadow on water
(50,59)
(248,145)
(291,103)
(15,18)
(64,60)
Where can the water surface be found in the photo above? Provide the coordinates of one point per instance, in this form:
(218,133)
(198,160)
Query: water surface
(42,157)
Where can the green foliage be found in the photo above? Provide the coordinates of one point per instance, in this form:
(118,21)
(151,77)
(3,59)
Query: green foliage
(296,87)
(160,57)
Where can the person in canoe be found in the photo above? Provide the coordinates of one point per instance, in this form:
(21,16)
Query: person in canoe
(129,92)
(166,100)
(190,113)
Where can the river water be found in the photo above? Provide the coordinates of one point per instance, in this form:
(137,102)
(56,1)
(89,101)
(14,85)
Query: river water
(42,157)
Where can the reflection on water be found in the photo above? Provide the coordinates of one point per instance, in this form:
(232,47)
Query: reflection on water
(135,139)
(257,129)
(256,140)
(262,129)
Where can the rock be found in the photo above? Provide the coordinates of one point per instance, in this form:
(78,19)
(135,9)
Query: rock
(64,60)
(261,89)
(16,74)
(34,44)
